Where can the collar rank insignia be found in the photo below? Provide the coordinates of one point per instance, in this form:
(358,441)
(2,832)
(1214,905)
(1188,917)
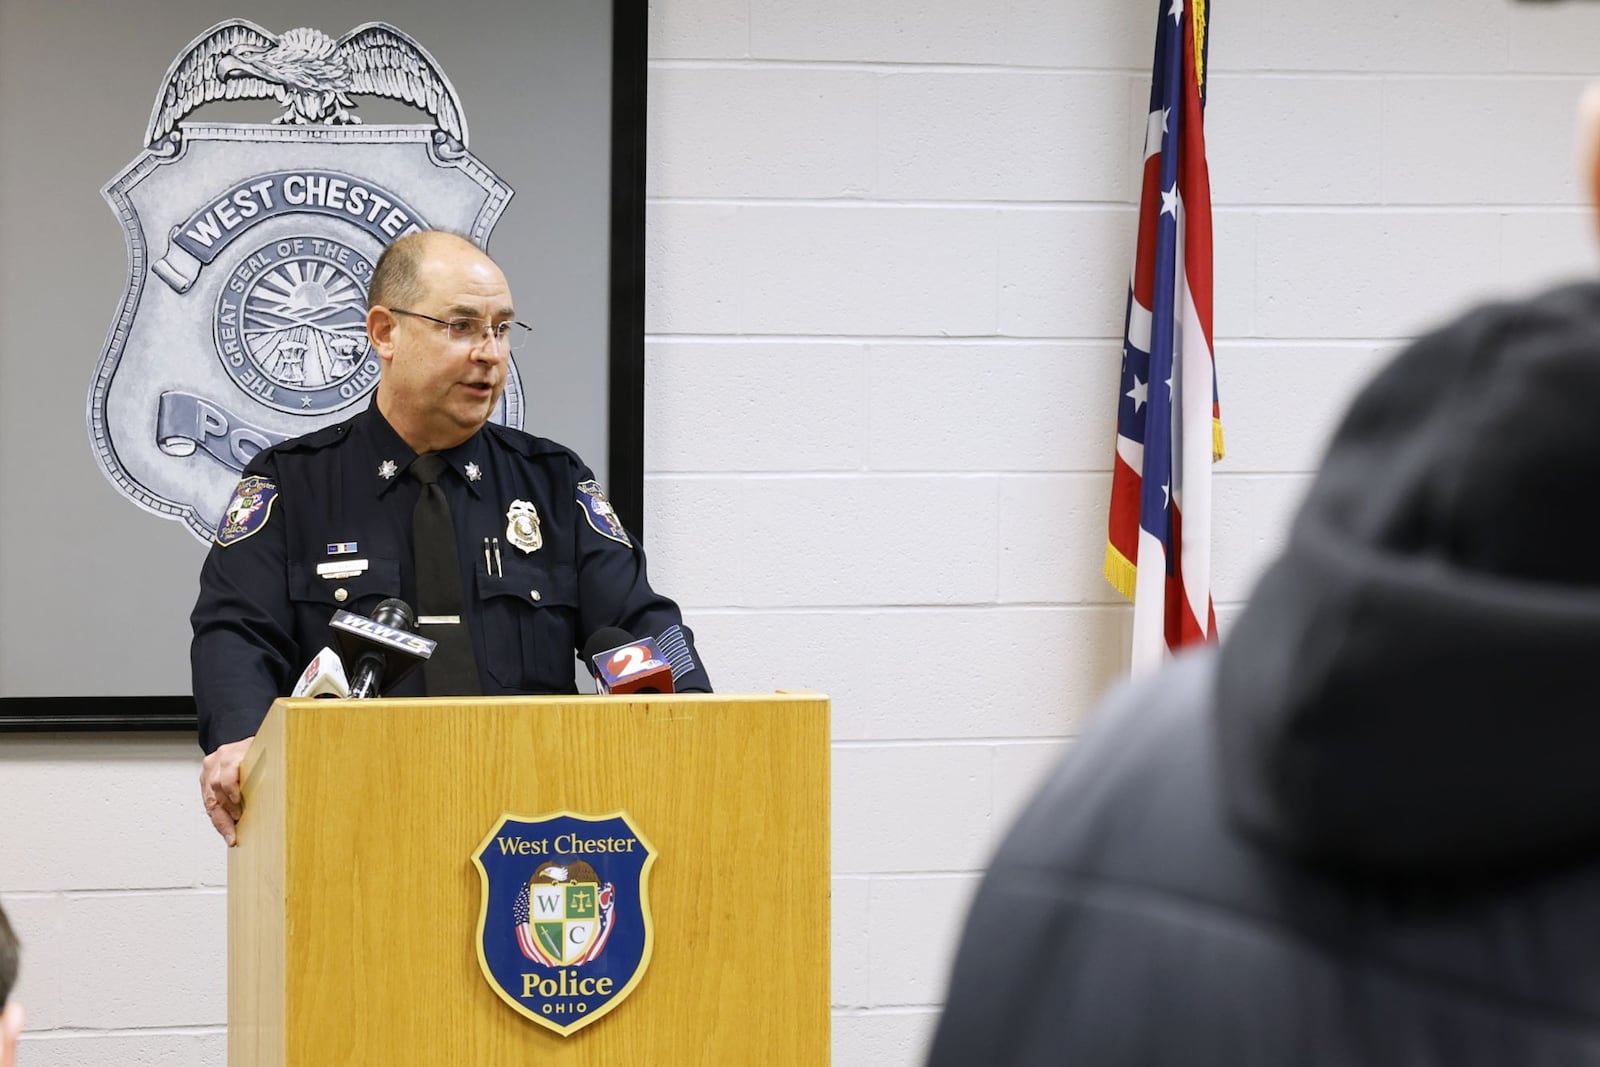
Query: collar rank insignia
(522,526)
(474,472)
(248,511)
(387,469)
(564,933)
(601,515)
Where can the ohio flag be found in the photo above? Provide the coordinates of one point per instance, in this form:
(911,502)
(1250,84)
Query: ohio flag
(1169,428)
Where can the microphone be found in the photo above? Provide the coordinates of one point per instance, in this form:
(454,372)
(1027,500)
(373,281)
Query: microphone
(621,663)
(323,677)
(382,648)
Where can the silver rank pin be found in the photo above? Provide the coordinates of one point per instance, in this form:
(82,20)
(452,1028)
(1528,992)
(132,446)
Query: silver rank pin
(387,469)
(474,472)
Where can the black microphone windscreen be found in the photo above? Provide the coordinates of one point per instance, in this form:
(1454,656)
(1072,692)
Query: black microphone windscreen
(394,612)
(604,640)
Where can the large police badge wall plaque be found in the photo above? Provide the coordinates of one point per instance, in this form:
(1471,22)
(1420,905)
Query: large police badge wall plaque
(250,247)
(564,933)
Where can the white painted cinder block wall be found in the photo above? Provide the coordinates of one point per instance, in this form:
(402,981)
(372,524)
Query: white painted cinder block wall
(887,251)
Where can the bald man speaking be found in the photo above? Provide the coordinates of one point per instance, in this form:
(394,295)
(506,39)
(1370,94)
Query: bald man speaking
(503,541)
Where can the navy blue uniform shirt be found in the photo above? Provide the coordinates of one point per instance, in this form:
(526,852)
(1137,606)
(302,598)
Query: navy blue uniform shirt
(341,494)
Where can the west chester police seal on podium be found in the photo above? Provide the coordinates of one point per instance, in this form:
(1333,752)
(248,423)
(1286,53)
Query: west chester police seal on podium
(250,248)
(564,933)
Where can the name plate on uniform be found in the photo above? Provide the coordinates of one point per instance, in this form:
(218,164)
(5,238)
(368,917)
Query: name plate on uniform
(342,568)
(564,932)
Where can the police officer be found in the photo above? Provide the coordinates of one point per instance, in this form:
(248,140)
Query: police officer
(326,521)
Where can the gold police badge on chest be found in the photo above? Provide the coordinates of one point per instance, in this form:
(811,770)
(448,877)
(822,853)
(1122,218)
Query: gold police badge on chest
(522,526)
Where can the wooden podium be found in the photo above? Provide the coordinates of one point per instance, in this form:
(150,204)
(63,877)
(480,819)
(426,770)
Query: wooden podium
(354,901)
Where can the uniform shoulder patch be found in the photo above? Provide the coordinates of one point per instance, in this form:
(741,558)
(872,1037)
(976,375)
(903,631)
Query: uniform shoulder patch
(601,515)
(248,511)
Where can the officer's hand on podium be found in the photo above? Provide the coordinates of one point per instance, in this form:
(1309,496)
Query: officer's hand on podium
(219,786)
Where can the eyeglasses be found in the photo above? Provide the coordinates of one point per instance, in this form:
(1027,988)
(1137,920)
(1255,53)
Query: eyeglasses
(509,335)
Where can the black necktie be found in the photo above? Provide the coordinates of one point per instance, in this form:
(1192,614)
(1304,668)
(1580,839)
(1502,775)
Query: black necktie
(451,670)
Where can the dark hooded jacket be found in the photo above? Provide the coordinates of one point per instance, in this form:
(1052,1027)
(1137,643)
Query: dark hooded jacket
(1366,830)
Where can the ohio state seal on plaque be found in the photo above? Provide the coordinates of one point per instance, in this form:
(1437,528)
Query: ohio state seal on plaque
(250,248)
(564,933)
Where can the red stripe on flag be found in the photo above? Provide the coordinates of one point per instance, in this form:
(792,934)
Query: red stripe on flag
(1194,182)
(1144,263)
(1123,532)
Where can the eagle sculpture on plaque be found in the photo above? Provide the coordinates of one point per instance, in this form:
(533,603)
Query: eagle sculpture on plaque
(250,247)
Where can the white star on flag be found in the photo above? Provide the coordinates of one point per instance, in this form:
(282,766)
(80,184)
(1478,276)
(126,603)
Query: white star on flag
(1138,393)
(1176,10)
(1169,201)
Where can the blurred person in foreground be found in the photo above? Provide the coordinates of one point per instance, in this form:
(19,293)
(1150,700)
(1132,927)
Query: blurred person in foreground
(1366,828)
(10,1012)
